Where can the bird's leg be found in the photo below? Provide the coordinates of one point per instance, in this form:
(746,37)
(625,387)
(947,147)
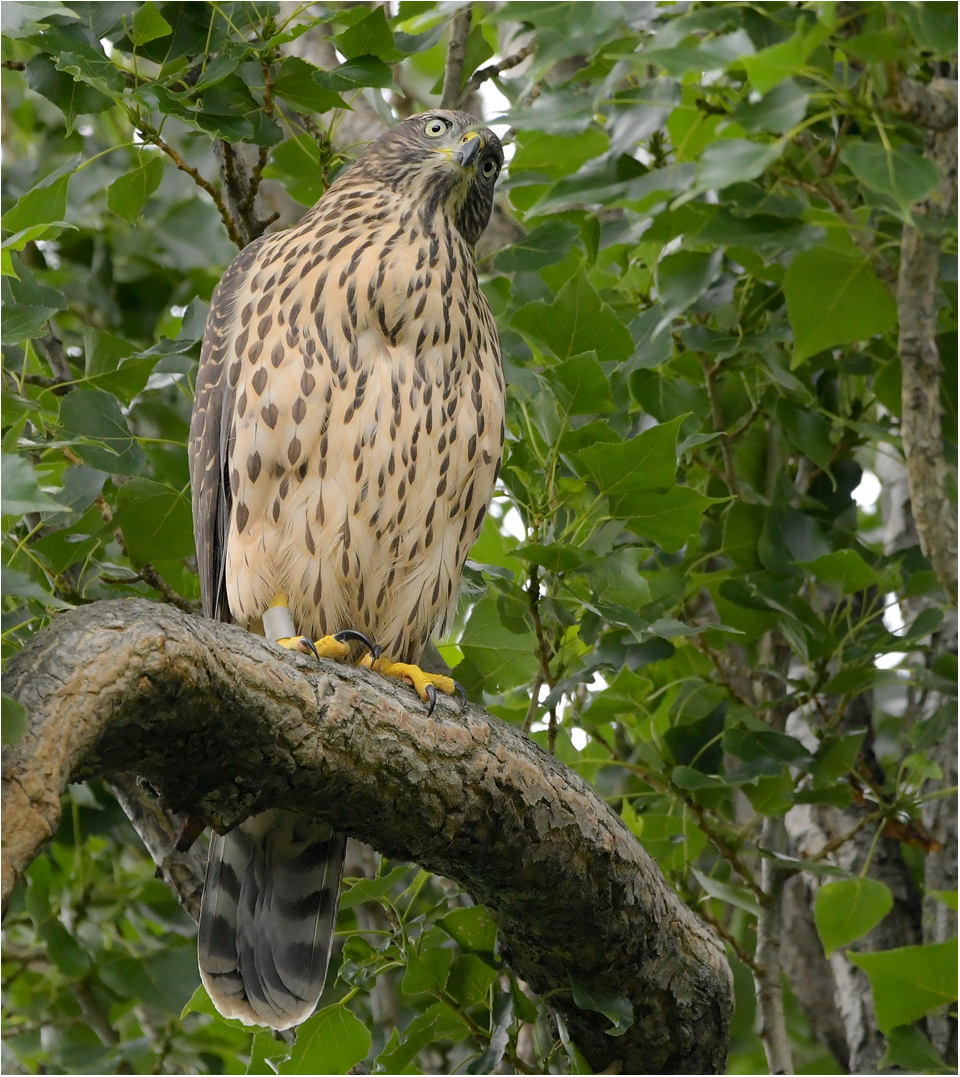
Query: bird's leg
(425,684)
(278,626)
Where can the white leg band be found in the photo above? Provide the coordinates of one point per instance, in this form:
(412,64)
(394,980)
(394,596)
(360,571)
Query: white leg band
(278,623)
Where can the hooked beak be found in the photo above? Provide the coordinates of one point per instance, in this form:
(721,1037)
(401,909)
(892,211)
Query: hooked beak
(467,152)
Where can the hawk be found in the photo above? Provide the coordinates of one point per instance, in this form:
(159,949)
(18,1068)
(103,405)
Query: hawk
(346,438)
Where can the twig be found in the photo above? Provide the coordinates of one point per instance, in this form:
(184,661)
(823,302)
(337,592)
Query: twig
(735,944)
(492,70)
(827,189)
(842,839)
(456,57)
(13,65)
(534,701)
(152,136)
(52,350)
(145,571)
(710,375)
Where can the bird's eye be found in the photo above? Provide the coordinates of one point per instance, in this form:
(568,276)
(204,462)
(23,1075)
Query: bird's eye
(434,128)
(489,168)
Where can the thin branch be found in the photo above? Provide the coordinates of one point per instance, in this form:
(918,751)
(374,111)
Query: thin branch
(145,570)
(13,65)
(710,375)
(491,71)
(456,57)
(149,135)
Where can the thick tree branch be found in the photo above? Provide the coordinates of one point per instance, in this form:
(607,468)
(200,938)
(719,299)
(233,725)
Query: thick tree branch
(456,58)
(921,426)
(225,724)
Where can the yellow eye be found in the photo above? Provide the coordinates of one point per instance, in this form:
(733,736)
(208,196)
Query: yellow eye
(489,168)
(434,128)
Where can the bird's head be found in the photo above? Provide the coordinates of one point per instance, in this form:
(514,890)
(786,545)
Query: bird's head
(441,159)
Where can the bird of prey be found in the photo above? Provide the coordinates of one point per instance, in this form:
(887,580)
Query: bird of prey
(346,438)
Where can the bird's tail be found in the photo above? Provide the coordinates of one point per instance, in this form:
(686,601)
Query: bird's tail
(268,916)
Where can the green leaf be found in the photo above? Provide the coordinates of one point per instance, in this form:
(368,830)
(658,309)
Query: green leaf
(580,386)
(64,950)
(470,980)
(20,585)
(296,164)
(104,441)
(682,278)
(909,1051)
(670,519)
(72,98)
(845,570)
(779,110)
(932,26)
(128,195)
(357,72)
(734,160)
(149,24)
(629,472)
(910,981)
(769,67)
(492,1055)
(13,720)
(808,430)
(427,971)
(27,305)
(165,979)
(577,322)
(156,521)
(834,298)
(616,577)
(473,929)
(371,36)
(334,1040)
(436,1023)
(902,175)
(751,744)
(295,82)
(616,1008)
(945,897)
(849,910)
(684,777)
(372,889)
(503,657)
(542,247)
(557,155)
(672,842)
(738,896)
(21,492)
(45,202)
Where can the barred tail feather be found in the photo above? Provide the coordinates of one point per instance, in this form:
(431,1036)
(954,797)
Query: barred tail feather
(268,916)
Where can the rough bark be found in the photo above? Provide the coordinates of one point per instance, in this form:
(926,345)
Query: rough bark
(935,107)
(129,686)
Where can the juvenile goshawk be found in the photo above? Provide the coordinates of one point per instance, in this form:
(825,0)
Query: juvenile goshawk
(346,438)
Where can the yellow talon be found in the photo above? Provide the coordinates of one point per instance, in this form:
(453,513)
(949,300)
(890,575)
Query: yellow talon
(328,647)
(426,685)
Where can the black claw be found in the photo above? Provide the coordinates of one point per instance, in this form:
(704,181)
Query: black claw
(375,651)
(461,692)
(432,697)
(307,644)
(351,635)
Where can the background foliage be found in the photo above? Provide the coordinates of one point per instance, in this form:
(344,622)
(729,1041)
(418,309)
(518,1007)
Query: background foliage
(683,590)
